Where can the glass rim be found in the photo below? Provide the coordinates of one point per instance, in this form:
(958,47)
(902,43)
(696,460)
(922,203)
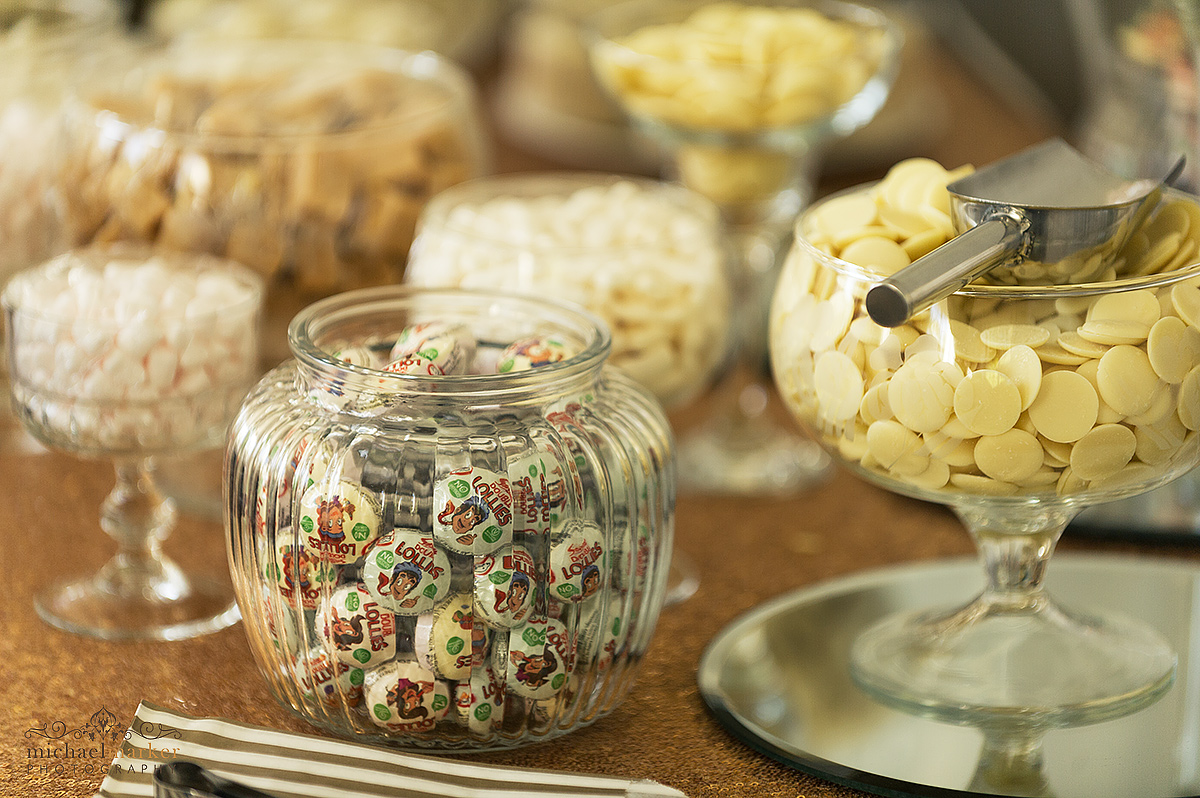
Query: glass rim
(410,67)
(305,327)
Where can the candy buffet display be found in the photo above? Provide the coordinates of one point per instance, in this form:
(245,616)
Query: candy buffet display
(307,161)
(1017,405)
(124,355)
(744,96)
(648,258)
(450,520)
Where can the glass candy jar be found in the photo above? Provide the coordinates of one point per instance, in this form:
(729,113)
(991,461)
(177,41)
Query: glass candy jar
(472,559)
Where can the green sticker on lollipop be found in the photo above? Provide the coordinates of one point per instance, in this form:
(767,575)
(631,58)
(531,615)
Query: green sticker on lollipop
(306,523)
(384,559)
(567,590)
(431,591)
(499,577)
(382,712)
(362,655)
(454,645)
(557,681)
(483,712)
(492,534)
(439,702)
(533,637)
(459,488)
(352,602)
(360,531)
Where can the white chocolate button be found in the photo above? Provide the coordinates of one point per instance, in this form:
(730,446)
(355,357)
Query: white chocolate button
(839,387)
(1021,365)
(847,212)
(889,441)
(1173,348)
(1075,343)
(1006,336)
(880,255)
(968,343)
(1055,453)
(1065,407)
(1126,380)
(1054,353)
(922,394)
(1103,452)
(987,402)
(1012,456)
(1189,400)
(1186,299)
(874,405)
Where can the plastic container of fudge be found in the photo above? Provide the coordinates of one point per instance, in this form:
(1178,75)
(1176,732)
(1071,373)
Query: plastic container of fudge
(450,520)
(44,48)
(649,258)
(1071,382)
(307,161)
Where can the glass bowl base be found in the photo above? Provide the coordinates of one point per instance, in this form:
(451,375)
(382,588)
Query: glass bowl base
(91,607)
(1039,668)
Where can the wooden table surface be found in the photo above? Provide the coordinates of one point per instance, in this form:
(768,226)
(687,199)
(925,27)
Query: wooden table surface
(748,550)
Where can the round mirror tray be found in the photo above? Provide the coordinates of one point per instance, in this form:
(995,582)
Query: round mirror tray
(778,679)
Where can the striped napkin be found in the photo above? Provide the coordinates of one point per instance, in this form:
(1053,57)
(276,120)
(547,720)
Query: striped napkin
(290,765)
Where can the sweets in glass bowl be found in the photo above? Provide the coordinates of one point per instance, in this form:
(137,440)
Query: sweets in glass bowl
(1083,385)
(307,161)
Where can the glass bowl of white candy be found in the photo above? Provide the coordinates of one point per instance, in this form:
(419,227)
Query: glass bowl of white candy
(123,355)
(1015,405)
(647,257)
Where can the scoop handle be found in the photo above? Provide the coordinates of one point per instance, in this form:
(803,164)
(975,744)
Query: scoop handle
(945,270)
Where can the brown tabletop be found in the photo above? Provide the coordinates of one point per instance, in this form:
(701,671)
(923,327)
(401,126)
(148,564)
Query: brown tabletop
(747,551)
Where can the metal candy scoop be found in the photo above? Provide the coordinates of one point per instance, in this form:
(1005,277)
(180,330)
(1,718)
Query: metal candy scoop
(1044,204)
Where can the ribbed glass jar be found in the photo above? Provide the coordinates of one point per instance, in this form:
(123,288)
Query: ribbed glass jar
(376,603)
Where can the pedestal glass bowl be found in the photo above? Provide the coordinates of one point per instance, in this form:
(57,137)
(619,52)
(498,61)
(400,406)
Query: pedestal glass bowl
(469,555)
(126,359)
(1017,406)
(743,96)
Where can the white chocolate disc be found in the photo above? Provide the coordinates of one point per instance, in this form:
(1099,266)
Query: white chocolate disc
(1173,348)
(1103,452)
(1012,456)
(1006,336)
(880,255)
(1186,299)
(1075,343)
(1126,380)
(839,387)
(889,441)
(1189,400)
(987,402)
(922,394)
(1021,365)
(974,483)
(1156,443)
(968,343)
(1065,407)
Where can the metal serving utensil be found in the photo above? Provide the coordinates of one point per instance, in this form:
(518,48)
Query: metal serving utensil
(1045,204)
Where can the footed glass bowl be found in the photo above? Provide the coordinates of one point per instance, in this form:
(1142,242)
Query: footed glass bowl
(1016,406)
